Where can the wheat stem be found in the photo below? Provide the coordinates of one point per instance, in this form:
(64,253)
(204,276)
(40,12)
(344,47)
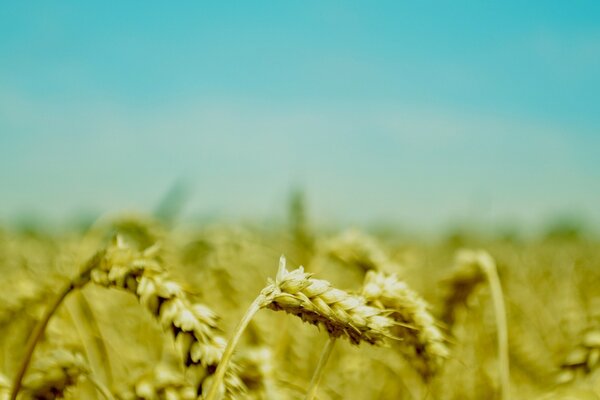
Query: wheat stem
(40,327)
(318,374)
(38,332)
(489,268)
(256,305)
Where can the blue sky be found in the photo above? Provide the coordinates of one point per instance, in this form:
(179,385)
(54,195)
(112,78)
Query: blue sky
(419,114)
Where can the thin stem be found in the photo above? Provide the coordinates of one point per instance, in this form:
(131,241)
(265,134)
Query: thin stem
(35,336)
(491,273)
(318,374)
(40,327)
(256,305)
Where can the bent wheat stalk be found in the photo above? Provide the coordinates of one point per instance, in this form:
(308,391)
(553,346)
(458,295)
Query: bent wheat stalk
(489,269)
(315,301)
(473,268)
(38,331)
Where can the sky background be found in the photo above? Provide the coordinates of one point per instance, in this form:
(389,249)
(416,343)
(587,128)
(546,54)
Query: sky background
(418,114)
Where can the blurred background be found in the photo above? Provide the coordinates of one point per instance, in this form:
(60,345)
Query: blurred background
(418,116)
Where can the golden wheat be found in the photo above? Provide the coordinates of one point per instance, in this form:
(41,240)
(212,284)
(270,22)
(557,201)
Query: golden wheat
(421,341)
(176,280)
(317,302)
(193,326)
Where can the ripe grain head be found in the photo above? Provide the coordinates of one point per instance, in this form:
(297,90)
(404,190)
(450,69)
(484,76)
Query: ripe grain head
(421,341)
(317,302)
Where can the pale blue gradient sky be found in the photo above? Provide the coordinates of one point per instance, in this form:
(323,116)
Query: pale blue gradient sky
(420,114)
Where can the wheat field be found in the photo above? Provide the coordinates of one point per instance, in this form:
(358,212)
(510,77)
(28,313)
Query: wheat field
(135,307)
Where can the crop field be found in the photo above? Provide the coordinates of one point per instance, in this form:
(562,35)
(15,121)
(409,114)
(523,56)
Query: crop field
(136,308)
(300,200)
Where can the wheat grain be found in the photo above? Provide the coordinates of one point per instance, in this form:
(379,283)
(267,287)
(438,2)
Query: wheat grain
(317,302)
(193,325)
(421,340)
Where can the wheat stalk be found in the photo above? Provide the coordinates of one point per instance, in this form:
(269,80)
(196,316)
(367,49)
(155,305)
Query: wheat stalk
(318,374)
(193,325)
(488,265)
(38,331)
(317,302)
(473,268)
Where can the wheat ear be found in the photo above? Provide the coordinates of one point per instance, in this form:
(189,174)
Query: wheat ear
(192,325)
(315,301)
(422,342)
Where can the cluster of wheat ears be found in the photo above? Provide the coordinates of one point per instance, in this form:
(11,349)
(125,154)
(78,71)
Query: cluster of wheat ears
(132,308)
